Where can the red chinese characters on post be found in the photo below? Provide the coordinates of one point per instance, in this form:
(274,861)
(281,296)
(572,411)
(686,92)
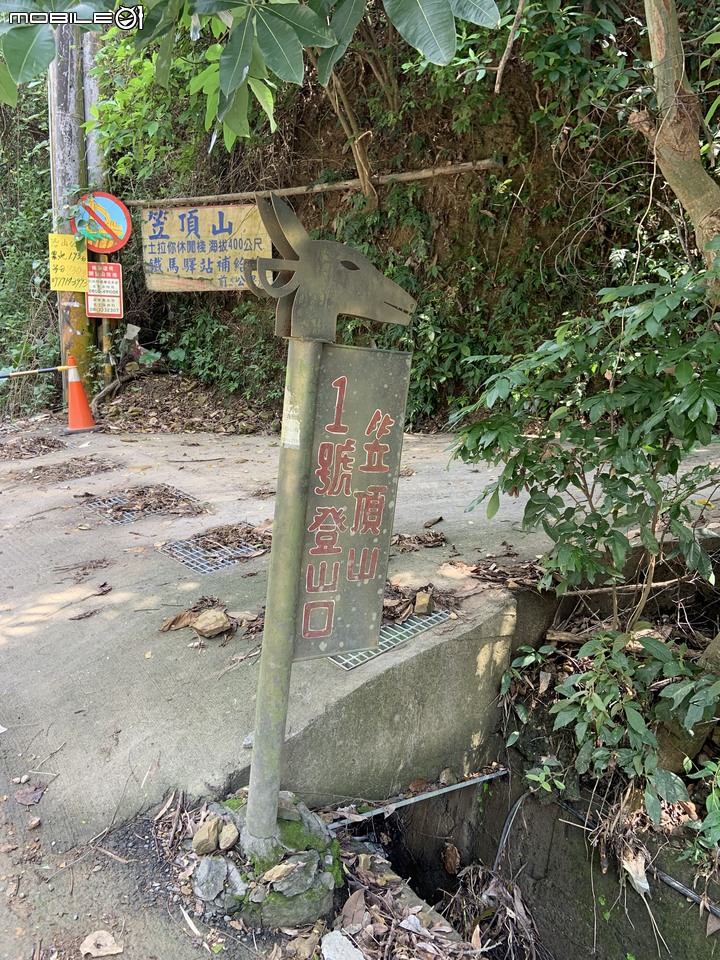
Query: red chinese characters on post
(340,470)
(379,425)
(321,625)
(327,525)
(335,463)
(337,426)
(369,506)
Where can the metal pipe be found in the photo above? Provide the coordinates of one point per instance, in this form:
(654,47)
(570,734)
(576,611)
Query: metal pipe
(294,473)
(392,807)
(29,373)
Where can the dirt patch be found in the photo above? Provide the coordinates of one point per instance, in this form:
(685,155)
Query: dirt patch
(172,403)
(23,448)
(126,506)
(59,472)
(51,901)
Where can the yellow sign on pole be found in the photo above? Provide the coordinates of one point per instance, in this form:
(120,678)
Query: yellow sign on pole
(201,248)
(68,265)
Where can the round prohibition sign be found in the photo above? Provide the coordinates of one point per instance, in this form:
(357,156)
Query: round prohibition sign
(104,221)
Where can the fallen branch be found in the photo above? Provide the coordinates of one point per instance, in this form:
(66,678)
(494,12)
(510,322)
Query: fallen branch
(629,587)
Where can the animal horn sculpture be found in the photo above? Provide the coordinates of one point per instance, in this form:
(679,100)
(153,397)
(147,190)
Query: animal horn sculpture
(317,280)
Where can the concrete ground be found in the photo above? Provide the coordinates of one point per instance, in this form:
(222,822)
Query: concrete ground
(112,714)
(123,712)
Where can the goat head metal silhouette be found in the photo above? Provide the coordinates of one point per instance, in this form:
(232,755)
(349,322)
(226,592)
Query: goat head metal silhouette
(320,279)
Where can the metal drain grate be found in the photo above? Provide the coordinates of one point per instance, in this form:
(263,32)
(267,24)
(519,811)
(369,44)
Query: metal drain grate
(207,559)
(129,516)
(391,635)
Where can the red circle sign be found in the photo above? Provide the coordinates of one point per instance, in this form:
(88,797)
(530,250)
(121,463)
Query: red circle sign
(104,221)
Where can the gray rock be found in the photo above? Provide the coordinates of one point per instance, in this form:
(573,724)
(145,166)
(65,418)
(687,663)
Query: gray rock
(287,808)
(334,946)
(235,883)
(302,877)
(236,816)
(229,836)
(258,894)
(314,824)
(208,878)
(206,837)
(279,911)
(328,879)
(247,743)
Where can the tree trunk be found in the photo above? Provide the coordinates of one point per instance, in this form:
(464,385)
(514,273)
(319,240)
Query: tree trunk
(675,134)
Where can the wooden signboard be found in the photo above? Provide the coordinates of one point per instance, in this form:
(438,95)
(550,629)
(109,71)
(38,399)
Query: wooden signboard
(201,248)
(68,265)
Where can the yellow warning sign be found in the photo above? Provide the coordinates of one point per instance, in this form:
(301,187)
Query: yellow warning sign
(68,265)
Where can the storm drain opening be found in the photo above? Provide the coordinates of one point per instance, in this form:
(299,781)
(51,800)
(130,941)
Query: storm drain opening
(391,635)
(221,547)
(127,506)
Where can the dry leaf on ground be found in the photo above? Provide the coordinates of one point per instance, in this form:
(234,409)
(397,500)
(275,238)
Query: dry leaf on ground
(278,872)
(100,944)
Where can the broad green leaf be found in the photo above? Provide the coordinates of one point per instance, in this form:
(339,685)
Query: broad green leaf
(656,648)
(211,107)
(494,505)
(582,761)
(28,52)
(211,6)
(163,61)
(235,58)
(669,786)
(156,24)
(321,7)
(310,29)
(280,46)
(236,116)
(652,805)
(266,100)
(565,717)
(344,21)
(650,541)
(684,372)
(482,12)
(513,738)
(8,89)
(427,25)
(635,720)
(205,80)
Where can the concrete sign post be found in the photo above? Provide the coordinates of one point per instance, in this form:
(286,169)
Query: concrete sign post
(339,460)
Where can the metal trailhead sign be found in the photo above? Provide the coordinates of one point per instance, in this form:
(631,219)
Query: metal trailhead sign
(357,442)
(337,477)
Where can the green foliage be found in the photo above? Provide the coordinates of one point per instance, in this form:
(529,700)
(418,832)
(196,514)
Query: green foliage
(617,403)
(708,828)
(236,350)
(253,40)
(142,128)
(623,687)
(28,330)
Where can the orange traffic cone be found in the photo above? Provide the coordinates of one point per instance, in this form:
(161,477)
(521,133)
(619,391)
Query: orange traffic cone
(80,418)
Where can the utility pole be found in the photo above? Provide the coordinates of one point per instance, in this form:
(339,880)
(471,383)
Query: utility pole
(68,174)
